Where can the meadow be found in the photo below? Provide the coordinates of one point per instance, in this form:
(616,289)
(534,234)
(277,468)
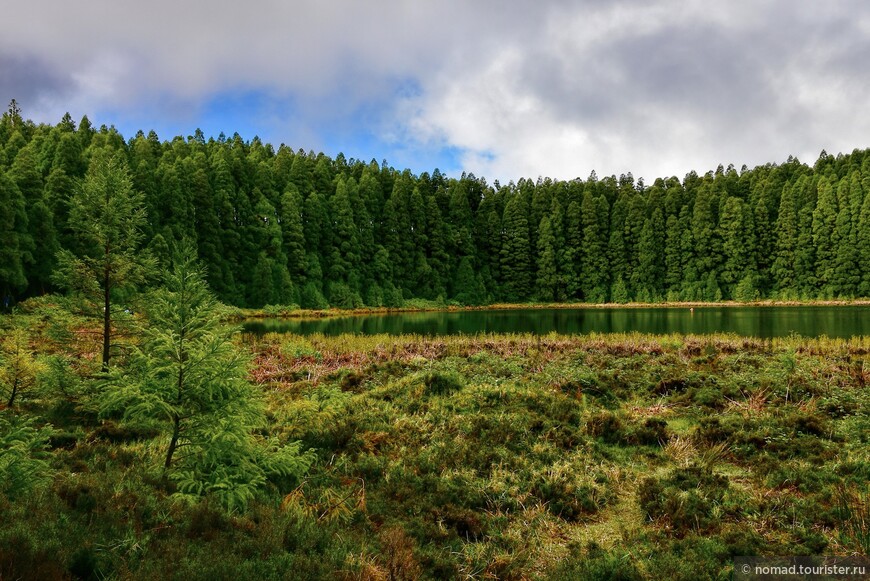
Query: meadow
(472,457)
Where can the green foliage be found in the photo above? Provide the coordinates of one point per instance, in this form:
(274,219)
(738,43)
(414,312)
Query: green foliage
(15,244)
(516,251)
(19,368)
(107,216)
(440,383)
(269,223)
(190,380)
(514,456)
(690,498)
(23,461)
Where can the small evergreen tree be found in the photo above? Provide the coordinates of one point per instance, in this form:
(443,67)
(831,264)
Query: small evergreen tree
(23,465)
(108,216)
(190,380)
(18,366)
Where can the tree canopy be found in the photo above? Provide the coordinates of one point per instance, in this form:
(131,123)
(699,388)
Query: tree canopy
(294,227)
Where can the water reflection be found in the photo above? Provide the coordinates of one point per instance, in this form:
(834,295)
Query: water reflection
(809,321)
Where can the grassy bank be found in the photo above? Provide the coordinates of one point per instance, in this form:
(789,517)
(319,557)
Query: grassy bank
(425,306)
(486,457)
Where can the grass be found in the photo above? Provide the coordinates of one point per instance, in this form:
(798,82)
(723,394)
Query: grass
(482,457)
(421,305)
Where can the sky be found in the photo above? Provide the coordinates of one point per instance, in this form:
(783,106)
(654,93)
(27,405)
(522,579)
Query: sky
(502,89)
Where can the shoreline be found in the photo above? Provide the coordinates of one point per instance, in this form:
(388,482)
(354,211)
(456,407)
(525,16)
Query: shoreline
(247,314)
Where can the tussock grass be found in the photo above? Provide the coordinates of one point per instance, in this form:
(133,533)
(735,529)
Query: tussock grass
(485,456)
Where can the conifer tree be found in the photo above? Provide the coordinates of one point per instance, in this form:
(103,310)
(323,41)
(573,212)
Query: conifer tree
(345,260)
(765,241)
(805,254)
(19,367)
(40,228)
(516,258)
(783,268)
(594,265)
(674,264)
(863,238)
(737,246)
(189,377)
(707,241)
(24,465)
(292,234)
(468,288)
(107,215)
(650,272)
(564,257)
(847,275)
(14,242)
(573,249)
(547,282)
(825,237)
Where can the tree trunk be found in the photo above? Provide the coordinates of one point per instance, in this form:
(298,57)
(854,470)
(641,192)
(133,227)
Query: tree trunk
(173,443)
(107,317)
(14,393)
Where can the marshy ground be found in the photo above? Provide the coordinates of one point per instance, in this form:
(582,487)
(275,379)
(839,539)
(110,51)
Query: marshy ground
(481,457)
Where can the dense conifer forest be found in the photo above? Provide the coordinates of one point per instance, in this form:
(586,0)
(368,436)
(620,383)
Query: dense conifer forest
(278,226)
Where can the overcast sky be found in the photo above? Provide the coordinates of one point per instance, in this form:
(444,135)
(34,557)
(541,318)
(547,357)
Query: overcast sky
(503,89)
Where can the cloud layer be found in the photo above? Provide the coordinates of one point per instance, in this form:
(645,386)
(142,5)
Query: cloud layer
(509,89)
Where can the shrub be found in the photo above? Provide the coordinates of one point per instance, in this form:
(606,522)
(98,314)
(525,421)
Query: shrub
(571,495)
(712,431)
(653,432)
(442,383)
(607,426)
(598,565)
(22,455)
(686,497)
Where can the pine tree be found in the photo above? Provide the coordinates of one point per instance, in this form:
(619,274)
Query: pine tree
(516,258)
(189,378)
(594,265)
(765,241)
(635,220)
(436,252)
(825,237)
(863,238)
(674,264)
(468,288)
(564,257)
(847,276)
(345,259)
(40,227)
(292,233)
(573,249)
(24,462)
(547,281)
(650,272)
(783,268)
(19,367)
(708,244)
(108,216)
(736,245)
(805,253)
(14,245)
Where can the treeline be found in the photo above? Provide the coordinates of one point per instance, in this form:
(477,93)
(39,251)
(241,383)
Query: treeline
(290,227)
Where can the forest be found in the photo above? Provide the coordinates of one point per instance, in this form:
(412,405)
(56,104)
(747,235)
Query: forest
(285,227)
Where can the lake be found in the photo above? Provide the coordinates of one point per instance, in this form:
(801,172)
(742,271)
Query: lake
(764,322)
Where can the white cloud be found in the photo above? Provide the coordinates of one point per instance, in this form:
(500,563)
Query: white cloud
(556,88)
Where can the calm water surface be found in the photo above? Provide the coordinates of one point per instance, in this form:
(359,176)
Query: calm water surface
(809,321)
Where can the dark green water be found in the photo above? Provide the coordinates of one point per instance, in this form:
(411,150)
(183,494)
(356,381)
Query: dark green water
(809,321)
